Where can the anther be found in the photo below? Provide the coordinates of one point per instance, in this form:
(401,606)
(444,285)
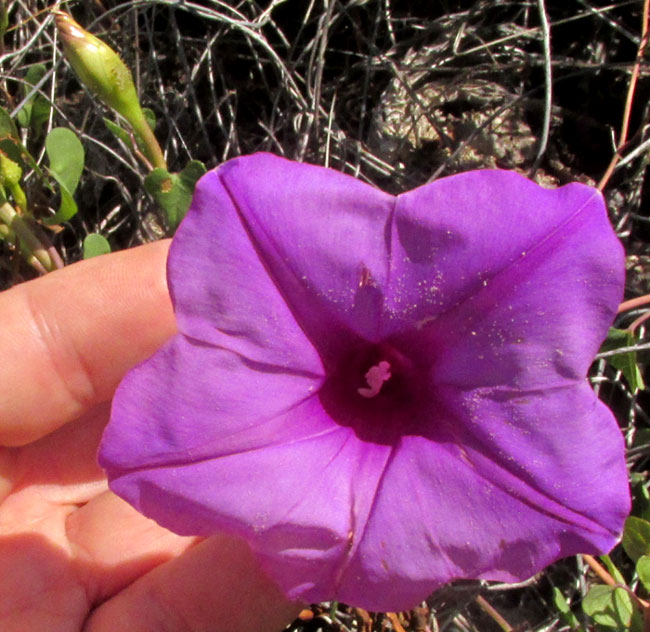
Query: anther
(375,377)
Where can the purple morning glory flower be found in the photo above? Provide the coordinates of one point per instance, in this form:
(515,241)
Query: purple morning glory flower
(381,393)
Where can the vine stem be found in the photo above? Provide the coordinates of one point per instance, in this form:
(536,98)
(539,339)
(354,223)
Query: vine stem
(599,569)
(634,303)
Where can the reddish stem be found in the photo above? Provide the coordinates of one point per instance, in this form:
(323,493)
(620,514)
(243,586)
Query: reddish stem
(625,124)
(633,303)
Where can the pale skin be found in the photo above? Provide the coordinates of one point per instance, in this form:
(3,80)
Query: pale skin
(73,556)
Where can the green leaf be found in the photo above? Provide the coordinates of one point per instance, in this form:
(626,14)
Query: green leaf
(67,209)
(564,609)
(11,144)
(643,571)
(608,606)
(36,110)
(95,245)
(636,537)
(118,132)
(150,117)
(66,156)
(8,127)
(122,134)
(174,191)
(613,571)
(625,362)
(14,150)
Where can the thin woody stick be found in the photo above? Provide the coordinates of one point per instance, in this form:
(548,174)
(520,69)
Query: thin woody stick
(492,612)
(597,568)
(630,97)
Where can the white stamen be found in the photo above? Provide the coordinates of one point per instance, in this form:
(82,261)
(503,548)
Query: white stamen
(375,377)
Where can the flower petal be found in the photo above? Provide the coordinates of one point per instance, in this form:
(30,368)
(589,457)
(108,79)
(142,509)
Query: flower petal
(506,259)
(298,502)
(560,448)
(573,280)
(190,402)
(464,517)
(271,249)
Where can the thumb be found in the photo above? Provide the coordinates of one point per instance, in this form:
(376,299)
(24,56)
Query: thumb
(216,585)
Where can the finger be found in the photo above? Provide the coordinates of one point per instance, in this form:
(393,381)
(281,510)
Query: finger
(67,338)
(113,545)
(55,558)
(59,469)
(216,585)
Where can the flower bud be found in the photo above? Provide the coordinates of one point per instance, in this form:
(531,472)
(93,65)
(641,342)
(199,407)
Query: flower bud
(102,71)
(99,68)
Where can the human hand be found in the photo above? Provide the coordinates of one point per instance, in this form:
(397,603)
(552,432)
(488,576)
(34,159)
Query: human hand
(73,556)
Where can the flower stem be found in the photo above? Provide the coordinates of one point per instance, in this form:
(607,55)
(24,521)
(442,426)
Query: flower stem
(150,145)
(20,200)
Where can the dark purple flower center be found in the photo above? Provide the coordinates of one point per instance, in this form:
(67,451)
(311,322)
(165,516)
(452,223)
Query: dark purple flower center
(376,390)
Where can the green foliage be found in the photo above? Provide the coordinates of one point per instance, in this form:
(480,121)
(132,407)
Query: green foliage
(119,132)
(613,571)
(150,117)
(66,155)
(11,144)
(36,111)
(611,607)
(10,171)
(636,537)
(10,175)
(564,609)
(625,362)
(173,191)
(95,245)
(643,571)
(618,606)
(236,97)
(8,128)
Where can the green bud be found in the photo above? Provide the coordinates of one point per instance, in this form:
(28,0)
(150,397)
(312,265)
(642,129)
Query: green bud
(99,68)
(102,71)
